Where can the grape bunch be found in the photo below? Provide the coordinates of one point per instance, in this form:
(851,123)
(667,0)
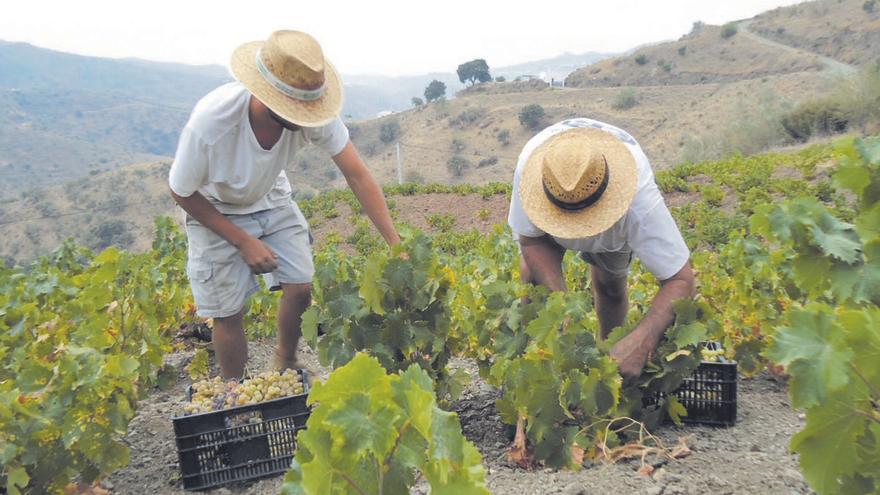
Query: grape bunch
(216,394)
(712,355)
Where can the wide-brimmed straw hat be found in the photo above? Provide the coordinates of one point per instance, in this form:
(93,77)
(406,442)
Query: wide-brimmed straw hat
(578,183)
(289,74)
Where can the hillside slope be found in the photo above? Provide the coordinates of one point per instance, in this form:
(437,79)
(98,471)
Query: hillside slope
(703,56)
(846,30)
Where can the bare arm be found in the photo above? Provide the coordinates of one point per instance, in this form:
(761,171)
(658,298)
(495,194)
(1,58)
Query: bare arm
(367,191)
(259,257)
(661,315)
(633,350)
(544,260)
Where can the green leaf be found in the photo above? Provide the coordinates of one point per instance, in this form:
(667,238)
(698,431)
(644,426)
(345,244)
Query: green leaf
(372,290)
(16,478)
(827,444)
(310,325)
(687,335)
(836,238)
(361,429)
(853,177)
(121,366)
(675,409)
(812,350)
(414,393)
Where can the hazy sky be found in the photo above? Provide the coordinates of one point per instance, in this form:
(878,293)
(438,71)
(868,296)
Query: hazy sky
(392,37)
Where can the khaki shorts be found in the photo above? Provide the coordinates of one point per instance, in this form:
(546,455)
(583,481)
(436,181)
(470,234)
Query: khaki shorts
(221,281)
(615,263)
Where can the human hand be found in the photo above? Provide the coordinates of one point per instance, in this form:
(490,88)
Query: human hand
(631,354)
(258,256)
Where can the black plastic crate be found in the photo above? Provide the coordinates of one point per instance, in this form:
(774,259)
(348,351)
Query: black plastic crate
(708,395)
(240,443)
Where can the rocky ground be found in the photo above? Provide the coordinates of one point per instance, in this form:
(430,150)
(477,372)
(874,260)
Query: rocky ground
(749,458)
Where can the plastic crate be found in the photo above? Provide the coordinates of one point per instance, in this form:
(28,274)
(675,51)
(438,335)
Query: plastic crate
(708,395)
(214,449)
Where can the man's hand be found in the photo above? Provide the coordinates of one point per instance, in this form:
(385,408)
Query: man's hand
(258,256)
(631,354)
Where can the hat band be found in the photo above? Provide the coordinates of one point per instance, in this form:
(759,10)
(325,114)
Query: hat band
(297,93)
(580,205)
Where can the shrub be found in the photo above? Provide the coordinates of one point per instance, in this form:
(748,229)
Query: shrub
(487,162)
(712,194)
(114,232)
(641,59)
(389,131)
(666,66)
(417,102)
(531,116)
(457,146)
(467,117)
(500,79)
(815,117)
(869,5)
(414,177)
(625,100)
(682,50)
(503,137)
(728,30)
(457,165)
(444,222)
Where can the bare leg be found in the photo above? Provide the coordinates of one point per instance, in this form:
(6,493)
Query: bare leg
(295,299)
(230,345)
(612,299)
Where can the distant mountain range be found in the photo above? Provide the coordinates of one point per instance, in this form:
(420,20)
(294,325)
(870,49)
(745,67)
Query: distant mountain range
(65,116)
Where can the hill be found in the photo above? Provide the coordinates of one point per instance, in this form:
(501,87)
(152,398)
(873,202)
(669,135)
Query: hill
(845,30)
(708,54)
(733,93)
(70,116)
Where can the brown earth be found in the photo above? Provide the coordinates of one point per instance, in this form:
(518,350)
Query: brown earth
(718,90)
(703,56)
(750,457)
(840,29)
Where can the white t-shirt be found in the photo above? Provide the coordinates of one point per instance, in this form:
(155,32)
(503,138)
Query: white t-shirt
(647,229)
(219,156)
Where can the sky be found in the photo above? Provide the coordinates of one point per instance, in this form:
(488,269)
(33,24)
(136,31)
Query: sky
(389,37)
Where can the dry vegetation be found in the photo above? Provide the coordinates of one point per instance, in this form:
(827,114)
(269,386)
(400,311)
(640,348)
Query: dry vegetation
(713,92)
(703,56)
(846,30)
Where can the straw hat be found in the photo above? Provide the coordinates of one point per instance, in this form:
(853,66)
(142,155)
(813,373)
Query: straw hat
(289,74)
(578,183)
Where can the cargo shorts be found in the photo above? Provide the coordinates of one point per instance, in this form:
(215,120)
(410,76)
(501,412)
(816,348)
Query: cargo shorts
(220,279)
(615,263)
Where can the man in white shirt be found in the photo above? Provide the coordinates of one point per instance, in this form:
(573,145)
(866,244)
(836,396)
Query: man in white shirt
(587,186)
(228,175)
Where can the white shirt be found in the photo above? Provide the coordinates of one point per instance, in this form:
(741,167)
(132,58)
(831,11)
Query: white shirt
(219,156)
(647,228)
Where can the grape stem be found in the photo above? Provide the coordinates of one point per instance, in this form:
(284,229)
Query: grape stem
(874,392)
(381,469)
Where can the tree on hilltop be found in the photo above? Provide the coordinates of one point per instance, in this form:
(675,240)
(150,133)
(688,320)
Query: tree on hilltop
(473,71)
(435,90)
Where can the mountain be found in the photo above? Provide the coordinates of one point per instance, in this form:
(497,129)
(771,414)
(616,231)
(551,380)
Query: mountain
(68,116)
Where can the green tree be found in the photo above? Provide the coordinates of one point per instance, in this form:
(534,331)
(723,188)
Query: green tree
(473,71)
(435,90)
(728,30)
(531,116)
